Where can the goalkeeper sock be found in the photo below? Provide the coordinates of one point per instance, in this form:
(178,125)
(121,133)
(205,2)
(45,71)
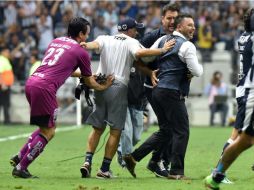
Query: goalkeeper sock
(105,164)
(89,157)
(23,150)
(34,150)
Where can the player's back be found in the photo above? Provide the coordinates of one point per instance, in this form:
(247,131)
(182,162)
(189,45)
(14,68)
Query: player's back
(63,56)
(117,55)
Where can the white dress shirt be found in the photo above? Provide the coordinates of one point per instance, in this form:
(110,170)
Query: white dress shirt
(187,54)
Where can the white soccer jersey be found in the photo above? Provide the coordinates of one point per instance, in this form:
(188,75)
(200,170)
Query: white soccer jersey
(243,47)
(249,81)
(117,54)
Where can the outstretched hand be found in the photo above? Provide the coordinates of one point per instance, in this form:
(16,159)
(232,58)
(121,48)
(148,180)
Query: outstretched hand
(109,81)
(103,80)
(83,44)
(169,44)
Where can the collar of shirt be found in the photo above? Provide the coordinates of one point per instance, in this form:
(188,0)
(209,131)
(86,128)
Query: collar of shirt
(162,32)
(179,34)
(124,35)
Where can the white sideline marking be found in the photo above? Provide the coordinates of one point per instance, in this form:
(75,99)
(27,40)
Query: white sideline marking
(25,135)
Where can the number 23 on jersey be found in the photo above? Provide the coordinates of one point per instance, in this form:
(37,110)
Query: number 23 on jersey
(52,56)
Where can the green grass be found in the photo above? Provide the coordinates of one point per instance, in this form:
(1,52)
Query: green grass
(203,151)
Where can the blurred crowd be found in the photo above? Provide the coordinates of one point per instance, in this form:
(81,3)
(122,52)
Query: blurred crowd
(27,27)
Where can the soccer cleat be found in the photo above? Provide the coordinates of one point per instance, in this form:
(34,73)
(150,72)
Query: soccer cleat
(166,165)
(105,175)
(227,181)
(210,183)
(157,168)
(14,161)
(130,164)
(22,174)
(85,170)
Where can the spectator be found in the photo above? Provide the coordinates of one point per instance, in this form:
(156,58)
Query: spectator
(110,16)
(56,10)
(217,95)
(45,31)
(86,10)
(26,13)
(100,28)
(129,8)
(16,47)
(6,81)
(225,17)
(35,63)
(205,40)
(153,19)
(10,13)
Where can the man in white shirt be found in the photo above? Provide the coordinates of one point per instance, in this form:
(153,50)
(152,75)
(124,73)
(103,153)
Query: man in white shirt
(169,98)
(117,54)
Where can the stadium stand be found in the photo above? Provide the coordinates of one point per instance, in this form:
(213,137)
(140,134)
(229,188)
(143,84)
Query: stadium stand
(24,25)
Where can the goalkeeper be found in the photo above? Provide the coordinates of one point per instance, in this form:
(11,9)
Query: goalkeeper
(63,56)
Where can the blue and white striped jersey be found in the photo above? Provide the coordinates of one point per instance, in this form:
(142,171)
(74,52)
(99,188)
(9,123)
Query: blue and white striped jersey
(246,49)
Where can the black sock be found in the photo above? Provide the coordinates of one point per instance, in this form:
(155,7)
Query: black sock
(218,176)
(89,157)
(105,164)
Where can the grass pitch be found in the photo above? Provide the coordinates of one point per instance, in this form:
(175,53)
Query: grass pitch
(202,154)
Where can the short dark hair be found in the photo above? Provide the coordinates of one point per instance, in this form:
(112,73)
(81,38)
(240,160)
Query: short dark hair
(170,7)
(247,20)
(180,18)
(76,26)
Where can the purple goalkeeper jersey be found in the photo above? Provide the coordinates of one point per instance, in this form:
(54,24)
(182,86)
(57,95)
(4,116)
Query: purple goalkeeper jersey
(63,56)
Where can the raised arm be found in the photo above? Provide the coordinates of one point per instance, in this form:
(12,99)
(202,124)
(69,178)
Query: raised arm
(155,51)
(90,45)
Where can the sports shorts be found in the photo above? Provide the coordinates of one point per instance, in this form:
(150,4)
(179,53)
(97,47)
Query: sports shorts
(240,112)
(110,107)
(43,106)
(247,116)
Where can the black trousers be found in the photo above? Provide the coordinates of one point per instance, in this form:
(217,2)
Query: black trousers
(158,154)
(174,126)
(222,108)
(5,103)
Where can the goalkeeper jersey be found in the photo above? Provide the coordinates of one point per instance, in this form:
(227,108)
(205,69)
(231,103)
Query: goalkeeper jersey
(63,56)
